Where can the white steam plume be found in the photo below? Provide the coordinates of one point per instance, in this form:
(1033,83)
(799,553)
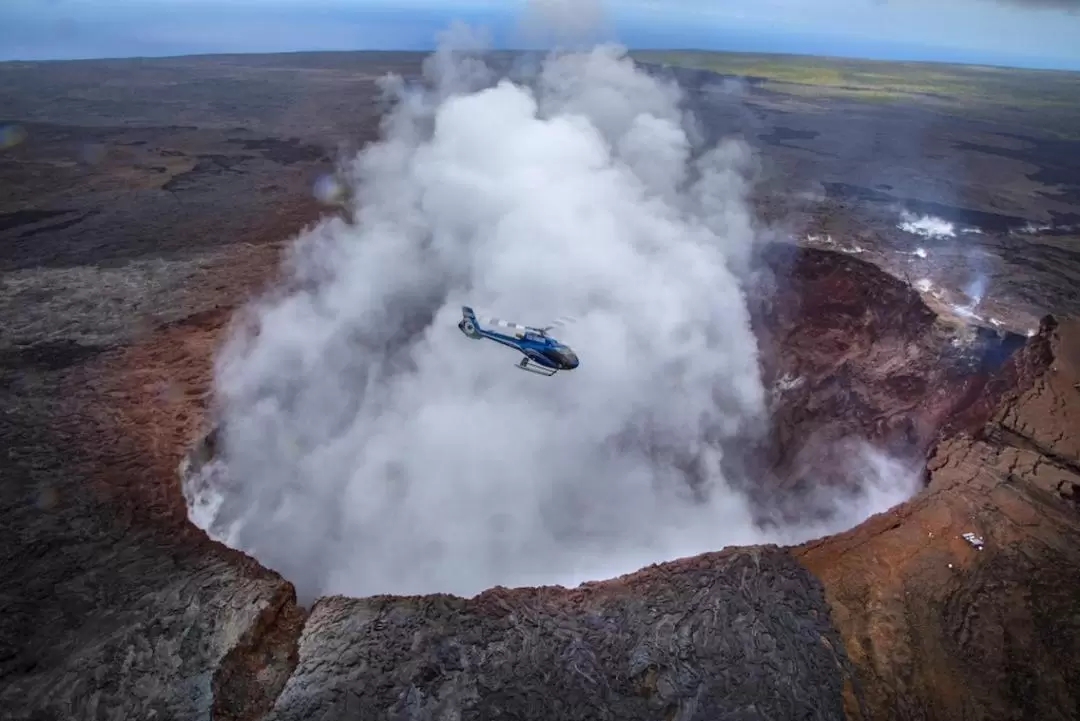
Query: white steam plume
(927,226)
(370,447)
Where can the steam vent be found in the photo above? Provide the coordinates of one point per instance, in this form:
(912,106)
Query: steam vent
(820,458)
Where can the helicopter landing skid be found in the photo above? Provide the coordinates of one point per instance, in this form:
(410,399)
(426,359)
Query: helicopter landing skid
(527,364)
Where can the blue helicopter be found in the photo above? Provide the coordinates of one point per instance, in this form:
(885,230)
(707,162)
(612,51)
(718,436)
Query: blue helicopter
(543,354)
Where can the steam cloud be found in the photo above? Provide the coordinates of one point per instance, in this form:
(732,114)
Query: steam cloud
(369,447)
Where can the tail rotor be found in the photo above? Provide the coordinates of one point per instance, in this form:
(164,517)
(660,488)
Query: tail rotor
(468,324)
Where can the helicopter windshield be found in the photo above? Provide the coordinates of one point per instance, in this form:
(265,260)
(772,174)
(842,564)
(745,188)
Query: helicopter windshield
(563,356)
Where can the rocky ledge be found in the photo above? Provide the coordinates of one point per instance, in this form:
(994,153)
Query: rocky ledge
(962,603)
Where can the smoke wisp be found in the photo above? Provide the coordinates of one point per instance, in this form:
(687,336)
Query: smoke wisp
(367,446)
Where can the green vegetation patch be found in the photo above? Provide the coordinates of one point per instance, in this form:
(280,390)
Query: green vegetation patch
(874,79)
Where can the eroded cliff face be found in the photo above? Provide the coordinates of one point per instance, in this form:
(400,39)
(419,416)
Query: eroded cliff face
(740,634)
(114,606)
(119,608)
(943,625)
(854,354)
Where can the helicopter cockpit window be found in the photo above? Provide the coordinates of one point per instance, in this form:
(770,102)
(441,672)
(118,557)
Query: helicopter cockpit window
(562,354)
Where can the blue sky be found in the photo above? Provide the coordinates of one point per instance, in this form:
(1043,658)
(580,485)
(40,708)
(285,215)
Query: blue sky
(1032,33)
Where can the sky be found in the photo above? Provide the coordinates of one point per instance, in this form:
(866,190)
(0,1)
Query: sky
(1027,33)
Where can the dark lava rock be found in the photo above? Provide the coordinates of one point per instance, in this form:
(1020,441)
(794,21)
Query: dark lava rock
(740,634)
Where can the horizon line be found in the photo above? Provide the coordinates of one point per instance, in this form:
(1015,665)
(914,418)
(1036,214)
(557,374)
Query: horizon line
(630,51)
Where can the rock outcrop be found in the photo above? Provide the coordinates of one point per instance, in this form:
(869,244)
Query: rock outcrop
(113,610)
(853,354)
(742,634)
(964,603)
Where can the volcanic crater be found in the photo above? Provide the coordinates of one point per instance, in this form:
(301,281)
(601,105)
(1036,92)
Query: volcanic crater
(865,358)
(851,354)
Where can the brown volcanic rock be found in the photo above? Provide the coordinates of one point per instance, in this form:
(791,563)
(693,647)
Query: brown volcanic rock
(104,614)
(852,353)
(742,634)
(114,606)
(940,629)
(154,393)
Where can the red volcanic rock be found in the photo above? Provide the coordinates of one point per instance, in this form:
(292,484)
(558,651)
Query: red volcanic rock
(852,353)
(965,601)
